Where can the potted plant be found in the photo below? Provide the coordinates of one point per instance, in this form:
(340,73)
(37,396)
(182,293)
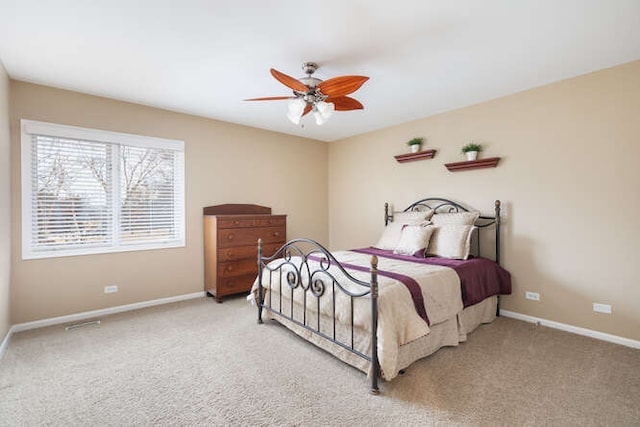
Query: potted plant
(414,144)
(471,151)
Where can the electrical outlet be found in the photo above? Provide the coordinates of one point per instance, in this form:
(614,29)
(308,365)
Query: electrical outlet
(601,308)
(110,289)
(532,296)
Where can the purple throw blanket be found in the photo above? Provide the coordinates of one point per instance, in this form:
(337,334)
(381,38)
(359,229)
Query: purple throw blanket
(480,278)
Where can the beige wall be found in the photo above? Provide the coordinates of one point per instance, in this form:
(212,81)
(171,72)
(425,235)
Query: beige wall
(225,163)
(569,179)
(5,206)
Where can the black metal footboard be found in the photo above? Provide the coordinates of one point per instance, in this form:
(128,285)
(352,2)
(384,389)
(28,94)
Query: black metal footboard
(313,281)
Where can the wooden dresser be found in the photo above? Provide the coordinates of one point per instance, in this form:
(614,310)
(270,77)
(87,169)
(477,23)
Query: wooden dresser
(231,234)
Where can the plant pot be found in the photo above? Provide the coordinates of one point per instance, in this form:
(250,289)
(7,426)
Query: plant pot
(471,155)
(415,148)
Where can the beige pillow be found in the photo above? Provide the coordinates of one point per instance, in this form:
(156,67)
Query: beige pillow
(391,233)
(451,241)
(414,238)
(459,218)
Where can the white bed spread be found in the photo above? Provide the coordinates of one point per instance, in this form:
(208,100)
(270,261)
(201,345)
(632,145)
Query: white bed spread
(398,321)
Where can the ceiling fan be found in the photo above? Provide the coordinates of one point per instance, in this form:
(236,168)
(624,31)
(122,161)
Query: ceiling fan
(313,94)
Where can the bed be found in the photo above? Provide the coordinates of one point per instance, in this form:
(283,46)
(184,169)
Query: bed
(421,287)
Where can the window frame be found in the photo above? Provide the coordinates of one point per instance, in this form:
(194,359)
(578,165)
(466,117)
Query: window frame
(29,128)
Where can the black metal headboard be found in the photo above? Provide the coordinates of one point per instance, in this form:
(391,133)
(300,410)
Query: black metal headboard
(440,205)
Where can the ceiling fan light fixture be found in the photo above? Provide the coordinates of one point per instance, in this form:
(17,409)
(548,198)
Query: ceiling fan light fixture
(325,108)
(293,118)
(296,109)
(319,119)
(322,111)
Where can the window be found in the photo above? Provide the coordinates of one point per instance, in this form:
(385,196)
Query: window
(88,191)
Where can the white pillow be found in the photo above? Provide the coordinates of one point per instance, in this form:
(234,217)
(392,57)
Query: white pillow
(412,216)
(459,218)
(451,241)
(414,238)
(391,234)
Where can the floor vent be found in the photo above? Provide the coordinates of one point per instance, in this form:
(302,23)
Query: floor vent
(82,324)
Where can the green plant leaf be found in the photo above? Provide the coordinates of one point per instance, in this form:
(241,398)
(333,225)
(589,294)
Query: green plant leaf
(471,147)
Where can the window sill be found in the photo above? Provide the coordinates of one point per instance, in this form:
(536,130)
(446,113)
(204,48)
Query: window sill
(60,253)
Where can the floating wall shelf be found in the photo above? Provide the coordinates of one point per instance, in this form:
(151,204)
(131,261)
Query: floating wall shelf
(411,157)
(491,162)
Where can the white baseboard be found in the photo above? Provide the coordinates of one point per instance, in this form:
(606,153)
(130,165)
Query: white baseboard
(122,308)
(573,329)
(102,312)
(5,342)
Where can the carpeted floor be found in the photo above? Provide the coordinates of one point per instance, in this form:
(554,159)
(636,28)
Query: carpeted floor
(202,363)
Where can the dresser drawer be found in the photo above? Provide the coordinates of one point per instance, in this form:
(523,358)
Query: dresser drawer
(235,222)
(271,221)
(233,285)
(238,253)
(249,236)
(238,268)
(246,252)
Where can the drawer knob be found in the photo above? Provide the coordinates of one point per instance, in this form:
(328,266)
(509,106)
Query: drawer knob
(230,237)
(236,222)
(276,234)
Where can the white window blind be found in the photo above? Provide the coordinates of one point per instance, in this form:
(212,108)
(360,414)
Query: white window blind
(87,191)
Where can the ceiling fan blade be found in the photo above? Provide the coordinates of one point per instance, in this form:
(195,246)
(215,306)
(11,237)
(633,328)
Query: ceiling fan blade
(345,103)
(307,109)
(340,86)
(289,81)
(270,98)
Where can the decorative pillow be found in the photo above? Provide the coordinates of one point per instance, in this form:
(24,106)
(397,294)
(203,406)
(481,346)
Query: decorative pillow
(414,239)
(403,216)
(459,218)
(451,241)
(391,234)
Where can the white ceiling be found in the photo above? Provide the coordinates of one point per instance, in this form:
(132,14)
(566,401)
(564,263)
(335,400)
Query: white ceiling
(204,57)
